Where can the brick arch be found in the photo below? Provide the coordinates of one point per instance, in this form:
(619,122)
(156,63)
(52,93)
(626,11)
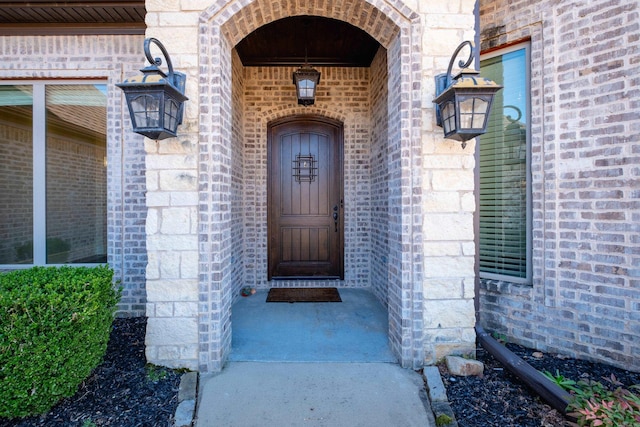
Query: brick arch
(380,19)
(285,111)
(397,28)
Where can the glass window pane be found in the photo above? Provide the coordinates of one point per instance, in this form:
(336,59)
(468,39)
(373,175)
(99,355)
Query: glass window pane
(503,170)
(76,173)
(16,175)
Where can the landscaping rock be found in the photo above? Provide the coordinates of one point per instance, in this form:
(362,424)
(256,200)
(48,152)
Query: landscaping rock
(188,384)
(464,367)
(437,392)
(184,413)
(187,395)
(438,397)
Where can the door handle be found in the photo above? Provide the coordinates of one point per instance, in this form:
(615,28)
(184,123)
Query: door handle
(335,217)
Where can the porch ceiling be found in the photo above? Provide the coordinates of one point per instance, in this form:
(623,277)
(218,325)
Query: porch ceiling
(72,17)
(323,41)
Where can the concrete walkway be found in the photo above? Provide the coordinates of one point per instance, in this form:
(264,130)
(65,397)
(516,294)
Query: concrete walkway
(312,364)
(284,394)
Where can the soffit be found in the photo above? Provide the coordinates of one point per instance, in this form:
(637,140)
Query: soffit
(72,17)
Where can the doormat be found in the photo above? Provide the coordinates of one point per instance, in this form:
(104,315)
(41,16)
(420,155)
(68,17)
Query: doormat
(303,295)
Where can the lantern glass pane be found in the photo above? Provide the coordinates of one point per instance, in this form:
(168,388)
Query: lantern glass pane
(306,88)
(449,117)
(146,111)
(472,113)
(479,113)
(171,114)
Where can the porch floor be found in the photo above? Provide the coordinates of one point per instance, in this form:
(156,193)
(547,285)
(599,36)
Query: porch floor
(354,330)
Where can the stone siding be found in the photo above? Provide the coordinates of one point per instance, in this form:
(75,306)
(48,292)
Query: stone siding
(110,59)
(447,193)
(584,298)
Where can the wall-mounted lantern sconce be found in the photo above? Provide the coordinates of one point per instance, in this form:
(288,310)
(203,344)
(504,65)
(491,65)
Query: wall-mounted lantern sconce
(463,103)
(306,80)
(155,99)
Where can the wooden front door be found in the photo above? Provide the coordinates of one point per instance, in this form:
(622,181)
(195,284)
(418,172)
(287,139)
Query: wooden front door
(305,206)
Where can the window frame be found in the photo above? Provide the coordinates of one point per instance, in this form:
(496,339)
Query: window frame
(528,279)
(39,144)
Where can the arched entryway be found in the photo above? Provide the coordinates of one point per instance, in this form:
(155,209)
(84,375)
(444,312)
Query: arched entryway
(381,161)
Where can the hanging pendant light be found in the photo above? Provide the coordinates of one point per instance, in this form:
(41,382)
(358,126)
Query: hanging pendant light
(306,79)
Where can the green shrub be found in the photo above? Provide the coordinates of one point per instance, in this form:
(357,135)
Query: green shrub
(54,328)
(594,404)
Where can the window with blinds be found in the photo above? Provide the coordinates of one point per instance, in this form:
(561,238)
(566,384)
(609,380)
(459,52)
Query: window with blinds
(504,242)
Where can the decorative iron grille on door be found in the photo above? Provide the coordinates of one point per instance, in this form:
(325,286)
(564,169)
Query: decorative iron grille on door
(305,168)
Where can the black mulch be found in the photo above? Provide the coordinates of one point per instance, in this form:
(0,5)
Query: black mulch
(122,391)
(501,399)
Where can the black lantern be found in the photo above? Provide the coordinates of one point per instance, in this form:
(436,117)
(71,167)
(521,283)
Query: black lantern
(463,103)
(155,99)
(306,80)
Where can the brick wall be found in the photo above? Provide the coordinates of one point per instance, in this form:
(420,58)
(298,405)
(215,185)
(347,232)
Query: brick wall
(244,241)
(379,176)
(110,59)
(584,299)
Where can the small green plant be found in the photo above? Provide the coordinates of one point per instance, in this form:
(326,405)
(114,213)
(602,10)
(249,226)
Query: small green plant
(443,420)
(54,328)
(565,383)
(593,404)
(156,373)
(88,423)
(501,338)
